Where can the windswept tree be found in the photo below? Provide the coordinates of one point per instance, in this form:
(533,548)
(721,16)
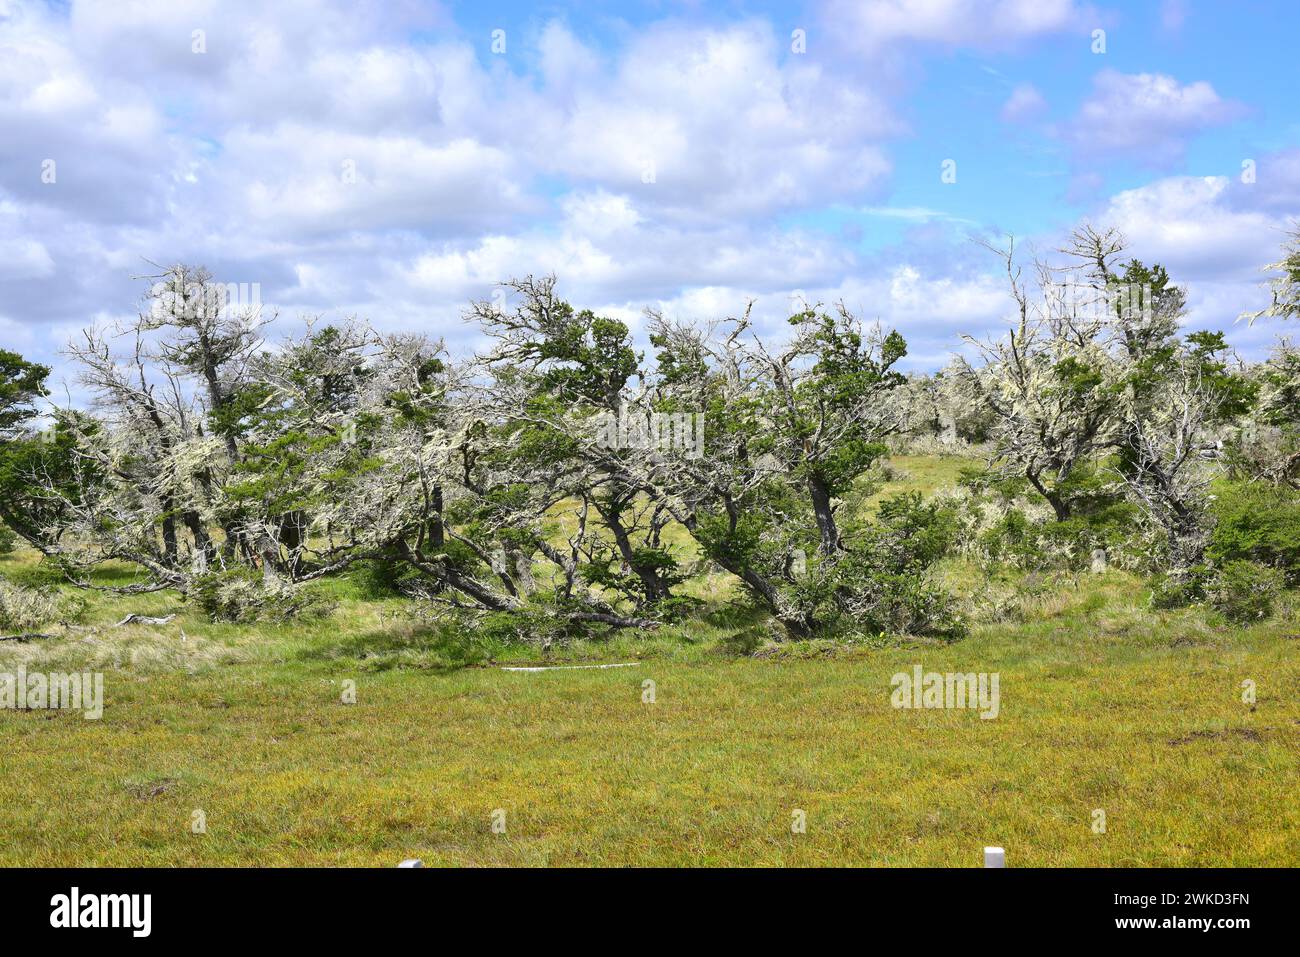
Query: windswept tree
(1059,382)
(1177,399)
(152,464)
(567,384)
(1049,382)
(792,431)
(1267,444)
(22,385)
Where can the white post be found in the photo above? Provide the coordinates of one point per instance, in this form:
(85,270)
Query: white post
(995,857)
(411,862)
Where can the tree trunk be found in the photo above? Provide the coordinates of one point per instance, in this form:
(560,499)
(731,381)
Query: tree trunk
(652,582)
(824,513)
(1054,498)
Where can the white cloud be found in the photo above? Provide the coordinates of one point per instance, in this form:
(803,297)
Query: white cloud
(1187,223)
(1147,117)
(1214,235)
(978,24)
(1024,103)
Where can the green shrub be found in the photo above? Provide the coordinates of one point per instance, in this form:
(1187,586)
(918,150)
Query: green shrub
(884,585)
(1258,523)
(239,595)
(383,577)
(1245,591)
(24,609)
(8,540)
(1179,589)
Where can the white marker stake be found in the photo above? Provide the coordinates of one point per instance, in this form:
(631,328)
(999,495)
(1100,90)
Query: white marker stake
(995,857)
(411,862)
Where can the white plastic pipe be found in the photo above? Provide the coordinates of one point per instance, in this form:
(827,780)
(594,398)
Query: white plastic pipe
(629,664)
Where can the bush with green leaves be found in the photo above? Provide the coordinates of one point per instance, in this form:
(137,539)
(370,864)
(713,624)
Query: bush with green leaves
(882,583)
(1256,522)
(7,539)
(1000,521)
(240,595)
(383,577)
(1245,591)
(1183,587)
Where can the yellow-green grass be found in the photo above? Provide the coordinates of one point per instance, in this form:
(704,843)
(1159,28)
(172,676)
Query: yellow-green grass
(1104,704)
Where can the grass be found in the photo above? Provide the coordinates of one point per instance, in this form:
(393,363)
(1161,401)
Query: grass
(1104,705)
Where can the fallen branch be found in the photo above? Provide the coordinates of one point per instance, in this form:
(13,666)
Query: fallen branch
(30,636)
(134,619)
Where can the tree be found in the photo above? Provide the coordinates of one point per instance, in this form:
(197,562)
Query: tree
(22,384)
(1049,383)
(792,431)
(1175,399)
(1267,445)
(1284,288)
(559,372)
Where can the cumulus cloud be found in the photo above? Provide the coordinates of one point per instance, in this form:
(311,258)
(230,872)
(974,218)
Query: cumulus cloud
(1145,117)
(1214,234)
(373,158)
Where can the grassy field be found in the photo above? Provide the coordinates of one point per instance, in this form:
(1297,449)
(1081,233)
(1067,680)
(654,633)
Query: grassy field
(1104,705)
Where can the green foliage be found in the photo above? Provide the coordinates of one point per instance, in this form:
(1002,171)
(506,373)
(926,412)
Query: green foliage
(383,577)
(1245,591)
(40,477)
(7,539)
(590,357)
(21,384)
(607,571)
(1260,523)
(239,595)
(1099,518)
(1179,589)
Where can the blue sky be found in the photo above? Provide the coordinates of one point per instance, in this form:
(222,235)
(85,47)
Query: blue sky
(385,160)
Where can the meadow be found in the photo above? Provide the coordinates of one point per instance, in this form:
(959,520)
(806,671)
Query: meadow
(1106,705)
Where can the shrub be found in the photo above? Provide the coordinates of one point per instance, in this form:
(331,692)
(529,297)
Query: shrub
(240,596)
(884,585)
(1180,589)
(1003,520)
(1258,523)
(1245,591)
(7,539)
(383,577)
(24,609)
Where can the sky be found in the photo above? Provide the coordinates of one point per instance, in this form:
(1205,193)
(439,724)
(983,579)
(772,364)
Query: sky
(394,160)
